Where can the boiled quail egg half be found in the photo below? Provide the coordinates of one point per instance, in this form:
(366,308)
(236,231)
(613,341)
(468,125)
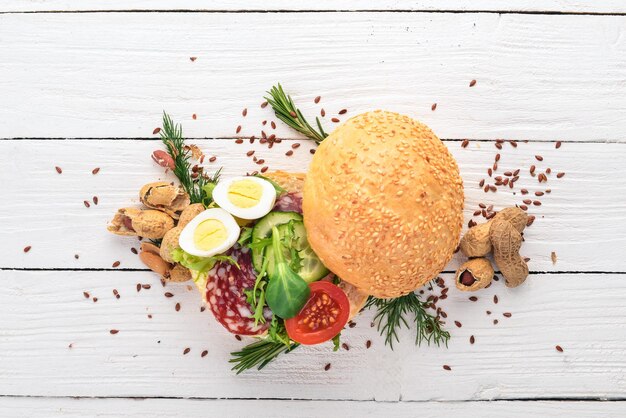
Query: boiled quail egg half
(245,197)
(211,232)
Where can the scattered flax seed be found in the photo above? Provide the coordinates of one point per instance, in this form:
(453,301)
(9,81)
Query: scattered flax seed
(495,298)
(539,157)
(239,141)
(323,112)
(368,344)
(458,324)
(114,331)
(145,286)
(149,316)
(177,307)
(264,169)
(289,153)
(86,203)
(553,257)
(250,153)
(295,146)
(335,120)
(86,295)
(481,183)
(343,111)
(513,144)
(548,170)
(317,99)
(115,264)
(498,159)
(446,367)
(327,367)
(527,259)
(238,337)
(76,256)
(495,322)
(536,203)
(524,191)
(27,248)
(473,298)
(194,116)
(94,300)
(186,350)
(345,346)
(559,348)
(465,143)
(488,312)
(192,59)
(499,146)
(557,145)
(472,340)
(204,353)
(156,131)
(212,159)
(538,193)
(202,308)
(263,105)
(507,314)
(138,287)
(527,201)
(238,129)
(472,83)
(95,171)
(433,107)
(559,175)
(95,200)
(169,294)
(244,113)
(116,293)
(134,250)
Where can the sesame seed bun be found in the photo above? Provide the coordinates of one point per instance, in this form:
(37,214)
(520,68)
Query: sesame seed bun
(383,203)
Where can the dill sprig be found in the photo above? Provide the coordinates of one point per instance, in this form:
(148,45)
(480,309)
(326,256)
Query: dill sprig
(286,110)
(393,313)
(259,354)
(197,188)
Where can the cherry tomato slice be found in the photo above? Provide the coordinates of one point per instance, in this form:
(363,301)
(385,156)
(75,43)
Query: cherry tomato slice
(323,316)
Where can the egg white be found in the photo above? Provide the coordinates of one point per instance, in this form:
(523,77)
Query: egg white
(186,240)
(265,205)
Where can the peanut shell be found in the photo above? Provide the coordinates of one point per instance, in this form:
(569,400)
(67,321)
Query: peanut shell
(179,274)
(122,222)
(152,224)
(516,216)
(170,243)
(165,197)
(189,213)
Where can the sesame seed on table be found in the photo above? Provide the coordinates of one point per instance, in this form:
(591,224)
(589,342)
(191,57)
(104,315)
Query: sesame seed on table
(82,316)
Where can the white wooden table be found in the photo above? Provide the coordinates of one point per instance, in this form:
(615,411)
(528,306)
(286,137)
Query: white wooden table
(83,85)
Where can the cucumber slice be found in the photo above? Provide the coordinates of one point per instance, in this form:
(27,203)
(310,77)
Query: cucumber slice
(311,267)
(263,229)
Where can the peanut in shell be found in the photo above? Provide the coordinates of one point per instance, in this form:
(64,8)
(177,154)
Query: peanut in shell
(179,274)
(507,241)
(479,269)
(170,243)
(189,213)
(152,224)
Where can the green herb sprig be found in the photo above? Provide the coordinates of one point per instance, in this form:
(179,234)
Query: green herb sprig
(259,354)
(286,110)
(392,314)
(198,188)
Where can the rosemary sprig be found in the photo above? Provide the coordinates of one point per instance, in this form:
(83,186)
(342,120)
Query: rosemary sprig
(259,354)
(393,313)
(172,137)
(286,110)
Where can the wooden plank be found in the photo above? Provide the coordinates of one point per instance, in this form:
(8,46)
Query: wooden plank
(42,313)
(562,6)
(192,408)
(46,211)
(114,73)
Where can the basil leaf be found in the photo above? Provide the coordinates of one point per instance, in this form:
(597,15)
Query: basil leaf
(286,292)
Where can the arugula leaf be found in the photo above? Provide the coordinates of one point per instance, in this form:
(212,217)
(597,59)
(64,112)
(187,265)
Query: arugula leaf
(245,237)
(286,291)
(200,264)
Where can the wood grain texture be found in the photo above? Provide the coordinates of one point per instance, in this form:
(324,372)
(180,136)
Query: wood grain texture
(42,313)
(565,6)
(538,76)
(196,408)
(582,220)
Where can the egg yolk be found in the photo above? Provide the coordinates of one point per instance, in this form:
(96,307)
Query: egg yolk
(209,234)
(245,193)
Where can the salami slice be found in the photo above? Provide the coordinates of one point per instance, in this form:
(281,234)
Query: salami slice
(289,202)
(226,298)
